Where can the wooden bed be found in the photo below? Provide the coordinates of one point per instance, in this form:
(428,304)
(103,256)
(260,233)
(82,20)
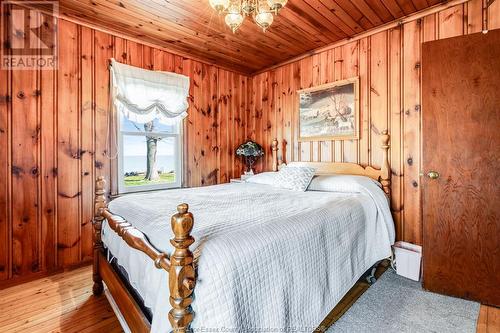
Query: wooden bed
(180,264)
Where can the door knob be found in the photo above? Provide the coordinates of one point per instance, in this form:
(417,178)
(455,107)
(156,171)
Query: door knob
(433,175)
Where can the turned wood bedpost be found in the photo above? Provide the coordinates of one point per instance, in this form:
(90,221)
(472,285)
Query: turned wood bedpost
(181,274)
(99,205)
(385,174)
(274,149)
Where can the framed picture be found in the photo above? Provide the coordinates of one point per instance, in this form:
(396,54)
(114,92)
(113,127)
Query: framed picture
(329,111)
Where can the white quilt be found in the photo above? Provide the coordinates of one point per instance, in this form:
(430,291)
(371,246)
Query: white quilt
(270,260)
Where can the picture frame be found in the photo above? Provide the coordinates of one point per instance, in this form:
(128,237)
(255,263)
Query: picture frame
(329,111)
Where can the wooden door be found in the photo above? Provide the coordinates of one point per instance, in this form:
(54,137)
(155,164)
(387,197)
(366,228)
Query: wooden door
(461,143)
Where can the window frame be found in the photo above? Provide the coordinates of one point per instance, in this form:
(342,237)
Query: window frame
(122,189)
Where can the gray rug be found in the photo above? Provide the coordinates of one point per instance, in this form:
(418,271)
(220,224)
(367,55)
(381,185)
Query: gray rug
(396,304)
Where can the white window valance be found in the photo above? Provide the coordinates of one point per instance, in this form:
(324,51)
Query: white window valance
(143,95)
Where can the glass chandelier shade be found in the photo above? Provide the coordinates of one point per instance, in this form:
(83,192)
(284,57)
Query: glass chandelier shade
(264,20)
(234,21)
(219,5)
(276,5)
(236,10)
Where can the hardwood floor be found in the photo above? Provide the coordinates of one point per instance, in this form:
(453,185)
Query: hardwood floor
(489,320)
(64,303)
(59,303)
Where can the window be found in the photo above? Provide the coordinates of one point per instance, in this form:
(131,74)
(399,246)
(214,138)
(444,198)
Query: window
(150,106)
(150,155)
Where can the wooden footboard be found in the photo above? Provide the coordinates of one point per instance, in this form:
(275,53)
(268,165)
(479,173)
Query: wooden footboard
(179,265)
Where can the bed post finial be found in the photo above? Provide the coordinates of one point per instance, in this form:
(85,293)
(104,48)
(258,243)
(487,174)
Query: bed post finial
(99,205)
(181,274)
(385,176)
(274,149)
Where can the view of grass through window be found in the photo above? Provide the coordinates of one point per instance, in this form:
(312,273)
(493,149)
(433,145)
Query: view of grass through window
(140,180)
(149,155)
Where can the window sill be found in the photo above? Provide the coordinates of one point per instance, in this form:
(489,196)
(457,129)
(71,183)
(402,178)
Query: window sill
(114,196)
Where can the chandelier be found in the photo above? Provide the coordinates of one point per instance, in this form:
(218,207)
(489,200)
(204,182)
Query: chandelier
(236,11)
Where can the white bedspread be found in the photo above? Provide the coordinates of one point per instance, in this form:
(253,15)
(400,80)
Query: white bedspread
(271,259)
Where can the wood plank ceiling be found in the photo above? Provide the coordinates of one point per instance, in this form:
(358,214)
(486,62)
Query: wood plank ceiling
(193,27)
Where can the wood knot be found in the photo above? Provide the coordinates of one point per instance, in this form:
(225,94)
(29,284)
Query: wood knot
(183,208)
(17,171)
(21,95)
(19,33)
(35,266)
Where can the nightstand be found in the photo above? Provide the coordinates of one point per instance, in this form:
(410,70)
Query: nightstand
(236,180)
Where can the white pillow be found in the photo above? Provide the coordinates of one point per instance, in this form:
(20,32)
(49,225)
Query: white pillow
(266,178)
(340,183)
(294,178)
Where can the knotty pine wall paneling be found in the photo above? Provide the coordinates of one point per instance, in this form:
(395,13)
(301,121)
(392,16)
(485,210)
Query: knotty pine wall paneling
(25,119)
(87,139)
(5,224)
(54,127)
(55,139)
(231,117)
(388,66)
(68,144)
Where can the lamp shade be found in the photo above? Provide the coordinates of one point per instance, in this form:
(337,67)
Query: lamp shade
(250,148)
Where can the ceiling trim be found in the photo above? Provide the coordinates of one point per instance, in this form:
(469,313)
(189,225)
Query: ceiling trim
(390,25)
(408,18)
(137,40)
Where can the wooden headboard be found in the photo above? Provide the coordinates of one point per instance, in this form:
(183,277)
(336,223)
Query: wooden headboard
(382,175)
